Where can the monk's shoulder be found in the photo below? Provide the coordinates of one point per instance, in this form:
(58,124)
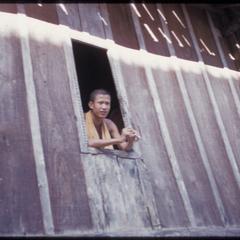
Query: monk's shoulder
(110,124)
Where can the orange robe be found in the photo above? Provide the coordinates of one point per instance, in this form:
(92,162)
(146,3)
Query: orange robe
(92,131)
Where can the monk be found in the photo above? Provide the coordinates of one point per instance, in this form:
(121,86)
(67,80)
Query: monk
(103,132)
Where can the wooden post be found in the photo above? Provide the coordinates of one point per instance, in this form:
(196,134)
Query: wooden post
(35,125)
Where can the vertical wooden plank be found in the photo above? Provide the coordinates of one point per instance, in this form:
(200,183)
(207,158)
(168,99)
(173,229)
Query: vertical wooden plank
(106,21)
(223,44)
(221,126)
(20,211)
(204,37)
(228,111)
(127,117)
(225,64)
(228,76)
(226,51)
(193,122)
(186,149)
(236,82)
(35,126)
(115,195)
(164,185)
(136,206)
(10,8)
(150,24)
(122,25)
(91,19)
(213,142)
(58,128)
(68,15)
(192,119)
(45,12)
(180,38)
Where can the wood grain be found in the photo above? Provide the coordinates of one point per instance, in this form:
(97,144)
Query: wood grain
(20,210)
(159,46)
(59,134)
(169,203)
(202,31)
(90,17)
(45,12)
(186,150)
(213,142)
(68,15)
(115,195)
(185,52)
(122,25)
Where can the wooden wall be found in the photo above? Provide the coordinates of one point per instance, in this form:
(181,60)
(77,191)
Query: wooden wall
(181,91)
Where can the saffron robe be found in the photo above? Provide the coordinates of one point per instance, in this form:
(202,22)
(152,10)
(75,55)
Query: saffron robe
(92,131)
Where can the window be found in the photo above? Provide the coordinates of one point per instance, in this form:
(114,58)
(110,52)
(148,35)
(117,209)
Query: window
(94,71)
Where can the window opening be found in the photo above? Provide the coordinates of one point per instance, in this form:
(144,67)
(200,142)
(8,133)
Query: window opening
(94,71)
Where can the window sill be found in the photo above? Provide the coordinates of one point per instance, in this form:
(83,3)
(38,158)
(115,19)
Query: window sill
(118,153)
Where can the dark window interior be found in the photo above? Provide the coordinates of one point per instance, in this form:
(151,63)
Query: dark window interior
(93,71)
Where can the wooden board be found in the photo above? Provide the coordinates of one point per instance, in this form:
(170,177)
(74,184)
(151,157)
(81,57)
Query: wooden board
(58,128)
(122,25)
(226,52)
(227,109)
(236,83)
(202,31)
(213,142)
(173,12)
(20,210)
(159,45)
(68,15)
(170,207)
(115,195)
(186,149)
(10,8)
(45,12)
(90,17)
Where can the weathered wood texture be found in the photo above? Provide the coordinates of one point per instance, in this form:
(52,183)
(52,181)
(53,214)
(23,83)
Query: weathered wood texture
(212,140)
(225,48)
(68,15)
(122,25)
(90,17)
(44,12)
(180,37)
(169,203)
(115,193)
(20,210)
(106,193)
(204,37)
(150,22)
(185,148)
(10,8)
(59,135)
(227,109)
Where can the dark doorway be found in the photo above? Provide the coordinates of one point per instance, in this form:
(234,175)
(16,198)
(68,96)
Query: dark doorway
(94,71)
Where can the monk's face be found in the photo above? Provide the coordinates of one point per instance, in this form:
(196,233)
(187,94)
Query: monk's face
(100,106)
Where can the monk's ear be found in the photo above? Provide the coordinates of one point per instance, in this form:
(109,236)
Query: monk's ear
(90,104)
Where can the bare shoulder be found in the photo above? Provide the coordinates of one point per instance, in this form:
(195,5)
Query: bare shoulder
(110,124)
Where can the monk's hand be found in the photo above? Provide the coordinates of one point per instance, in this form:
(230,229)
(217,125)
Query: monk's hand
(124,134)
(131,134)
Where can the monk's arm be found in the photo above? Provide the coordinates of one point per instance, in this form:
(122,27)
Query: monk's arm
(128,140)
(101,143)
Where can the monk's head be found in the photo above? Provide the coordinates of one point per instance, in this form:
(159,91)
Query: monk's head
(100,103)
